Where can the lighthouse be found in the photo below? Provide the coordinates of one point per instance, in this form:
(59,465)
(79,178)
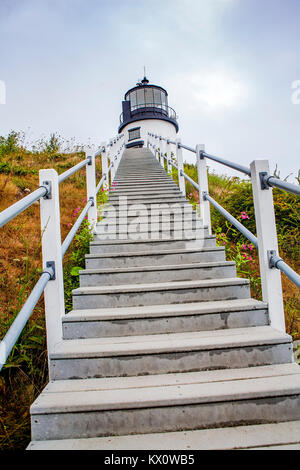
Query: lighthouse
(146,109)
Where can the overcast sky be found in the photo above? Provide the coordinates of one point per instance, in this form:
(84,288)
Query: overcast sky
(228,66)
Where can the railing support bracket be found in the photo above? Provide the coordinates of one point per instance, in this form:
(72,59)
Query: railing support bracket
(51,265)
(48,186)
(263,176)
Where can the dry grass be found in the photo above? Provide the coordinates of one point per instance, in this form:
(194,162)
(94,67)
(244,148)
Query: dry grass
(20,261)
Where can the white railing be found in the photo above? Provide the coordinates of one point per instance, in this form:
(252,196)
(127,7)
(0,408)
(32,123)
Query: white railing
(266,241)
(53,250)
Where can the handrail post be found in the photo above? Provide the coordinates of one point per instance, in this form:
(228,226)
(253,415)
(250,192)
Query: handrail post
(203,186)
(104,163)
(51,251)
(179,159)
(267,241)
(91,190)
(161,158)
(169,156)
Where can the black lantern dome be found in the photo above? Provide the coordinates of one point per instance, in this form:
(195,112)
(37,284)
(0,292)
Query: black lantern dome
(146,101)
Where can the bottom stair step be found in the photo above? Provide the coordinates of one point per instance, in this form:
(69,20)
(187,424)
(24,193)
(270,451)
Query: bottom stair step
(177,402)
(284,435)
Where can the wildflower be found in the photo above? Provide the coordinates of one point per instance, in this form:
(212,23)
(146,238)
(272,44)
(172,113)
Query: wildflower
(69,224)
(250,247)
(222,234)
(244,255)
(244,215)
(250,258)
(244,246)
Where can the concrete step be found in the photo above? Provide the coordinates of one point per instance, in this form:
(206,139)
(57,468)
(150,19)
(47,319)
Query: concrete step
(151,227)
(158,293)
(158,256)
(155,205)
(129,246)
(169,353)
(144,217)
(171,195)
(150,185)
(169,318)
(177,402)
(146,192)
(157,273)
(281,436)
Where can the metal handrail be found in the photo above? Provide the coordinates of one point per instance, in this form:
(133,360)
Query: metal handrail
(266,181)
(276,262)
(100,184)
(277,183)
(20,321)
(16,209)
(232,220)
(71,234)
(73,170)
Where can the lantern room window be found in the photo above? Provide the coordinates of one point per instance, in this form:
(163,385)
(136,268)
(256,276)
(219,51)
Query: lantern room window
(134,133)
(147,97)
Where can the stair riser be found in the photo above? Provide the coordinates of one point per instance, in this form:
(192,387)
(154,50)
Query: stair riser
(139,277)
(152,260)
(165,363)
(142,236)
(149,246)
(130,299)
(162,419)
(162,190)
(148,198)
(163,186)
(174,324)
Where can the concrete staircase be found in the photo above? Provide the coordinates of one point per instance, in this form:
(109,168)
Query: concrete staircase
(165,349)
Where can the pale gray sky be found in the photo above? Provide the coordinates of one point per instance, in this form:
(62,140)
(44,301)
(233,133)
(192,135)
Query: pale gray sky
(228,66)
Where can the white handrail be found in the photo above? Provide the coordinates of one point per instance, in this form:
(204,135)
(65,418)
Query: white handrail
(52,248)
(266,239)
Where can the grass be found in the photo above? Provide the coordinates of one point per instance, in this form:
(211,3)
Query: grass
(26,372)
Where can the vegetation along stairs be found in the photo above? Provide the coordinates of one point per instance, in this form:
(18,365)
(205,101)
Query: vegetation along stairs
(165,348)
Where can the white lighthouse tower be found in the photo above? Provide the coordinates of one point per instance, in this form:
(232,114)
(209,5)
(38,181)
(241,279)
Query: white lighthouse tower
(145,109)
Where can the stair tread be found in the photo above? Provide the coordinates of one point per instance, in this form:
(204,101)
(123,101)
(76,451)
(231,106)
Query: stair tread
(160,286)
(168,267)
(190,392)
(176,251)
(169,342)
(164,380)
(166,240)
(168,309)
(240,437)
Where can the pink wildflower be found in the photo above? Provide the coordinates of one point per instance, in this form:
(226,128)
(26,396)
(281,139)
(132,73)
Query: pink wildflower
(250,258)
(244,246)
(69,224)
(244,215)
(250,247)
(244,255)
